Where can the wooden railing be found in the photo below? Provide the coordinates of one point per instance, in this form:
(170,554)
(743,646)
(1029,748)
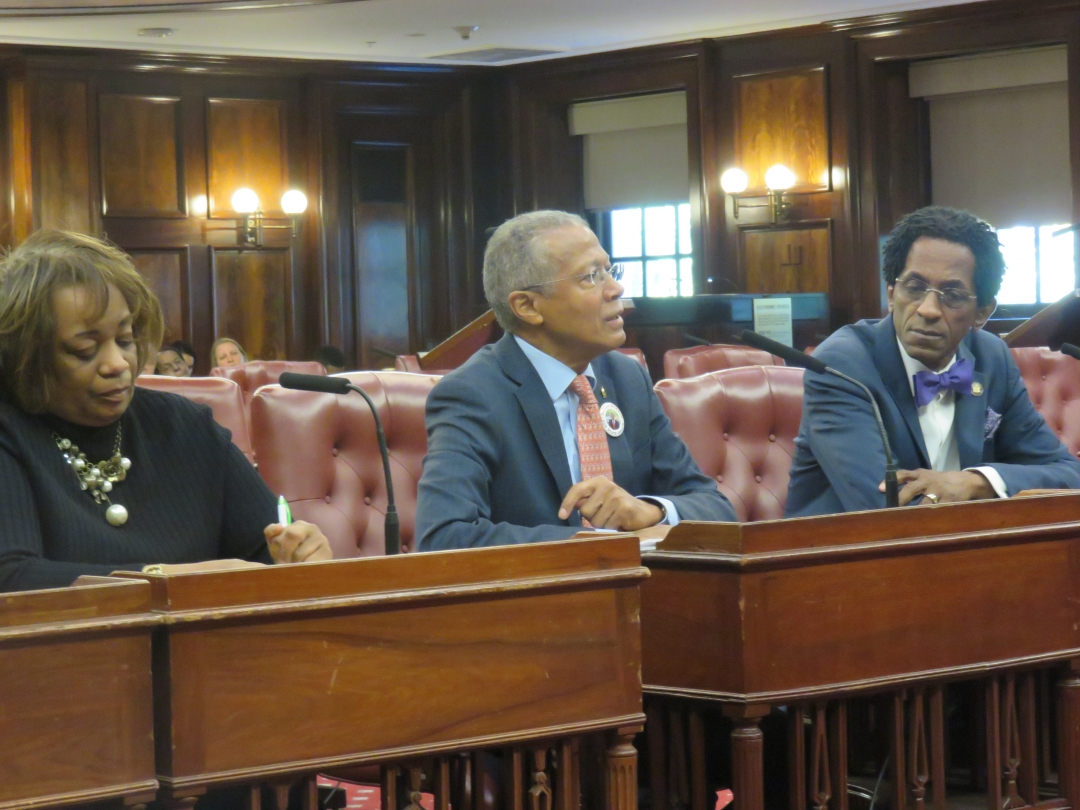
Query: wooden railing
(916,619)
(505,677)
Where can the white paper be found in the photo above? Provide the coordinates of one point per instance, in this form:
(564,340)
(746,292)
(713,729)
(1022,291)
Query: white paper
(772,318)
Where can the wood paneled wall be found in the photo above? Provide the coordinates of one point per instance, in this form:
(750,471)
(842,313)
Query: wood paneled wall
(148,149)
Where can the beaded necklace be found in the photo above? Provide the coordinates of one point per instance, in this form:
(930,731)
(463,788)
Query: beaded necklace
(98,479)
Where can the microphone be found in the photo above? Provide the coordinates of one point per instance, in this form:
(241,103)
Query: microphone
(793,357)
(1071,350)
(341,385)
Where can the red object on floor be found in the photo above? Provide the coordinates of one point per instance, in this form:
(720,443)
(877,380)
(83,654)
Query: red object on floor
(723,799)
(368,797)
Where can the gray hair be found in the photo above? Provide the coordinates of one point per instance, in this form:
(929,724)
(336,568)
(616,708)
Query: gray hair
(516,258)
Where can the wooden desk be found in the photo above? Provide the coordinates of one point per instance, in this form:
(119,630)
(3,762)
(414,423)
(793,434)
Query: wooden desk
(75,696)
(268,674)
(805,613)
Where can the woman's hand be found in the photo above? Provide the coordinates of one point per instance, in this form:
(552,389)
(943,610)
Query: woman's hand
(299,542)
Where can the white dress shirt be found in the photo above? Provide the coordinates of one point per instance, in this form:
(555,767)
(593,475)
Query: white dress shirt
(557,377)
(937,422)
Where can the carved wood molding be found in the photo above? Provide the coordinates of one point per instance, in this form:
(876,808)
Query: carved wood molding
(177,784)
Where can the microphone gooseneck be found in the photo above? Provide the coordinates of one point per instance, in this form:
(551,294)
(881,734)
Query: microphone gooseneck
(341,385)
(793,357)
(1071,350)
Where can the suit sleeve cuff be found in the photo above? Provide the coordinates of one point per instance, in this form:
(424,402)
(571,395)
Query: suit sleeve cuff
(671,517)
(995,479)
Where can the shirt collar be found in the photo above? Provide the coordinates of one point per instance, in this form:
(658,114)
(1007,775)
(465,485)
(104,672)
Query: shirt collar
(555,374)
(913,366)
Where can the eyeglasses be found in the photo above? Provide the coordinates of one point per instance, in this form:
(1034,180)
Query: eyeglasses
(594,277)
(951,297)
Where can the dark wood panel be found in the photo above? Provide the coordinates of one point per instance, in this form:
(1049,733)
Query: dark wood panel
(247,148)
(20,175)
(381,231)
(165,272)
(140,168)
(782,118)
(781,260)
(62,188)
(251,300)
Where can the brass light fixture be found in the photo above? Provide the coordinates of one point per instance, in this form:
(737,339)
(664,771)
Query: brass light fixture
(249,231)
(778,179)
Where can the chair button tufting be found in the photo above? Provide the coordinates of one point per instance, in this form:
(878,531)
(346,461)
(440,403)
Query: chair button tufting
(757,478)
(1044,376)
(720,478)
(334,451)
(327,499)
(725,437)
(772,437)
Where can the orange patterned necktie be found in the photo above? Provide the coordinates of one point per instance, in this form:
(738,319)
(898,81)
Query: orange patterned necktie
(593,453)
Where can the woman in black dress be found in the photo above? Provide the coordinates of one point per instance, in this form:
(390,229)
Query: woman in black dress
(97,475)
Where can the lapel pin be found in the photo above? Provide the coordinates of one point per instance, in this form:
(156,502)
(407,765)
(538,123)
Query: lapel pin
(612,418)
(603,392)
(977,389)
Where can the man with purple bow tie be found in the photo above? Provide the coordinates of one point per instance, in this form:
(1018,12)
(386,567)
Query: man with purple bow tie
(953,403)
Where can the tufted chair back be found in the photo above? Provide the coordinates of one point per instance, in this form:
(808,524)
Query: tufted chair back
(223,396)
(695,360)
(252,376)
(740,425)
(320,452)
(1053,383)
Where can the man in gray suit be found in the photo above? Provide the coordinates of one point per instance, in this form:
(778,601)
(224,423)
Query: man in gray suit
(550,428)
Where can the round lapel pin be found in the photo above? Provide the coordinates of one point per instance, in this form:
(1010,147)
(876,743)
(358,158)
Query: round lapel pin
(612,417)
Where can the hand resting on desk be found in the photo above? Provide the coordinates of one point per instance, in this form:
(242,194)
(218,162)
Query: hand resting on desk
(606,505)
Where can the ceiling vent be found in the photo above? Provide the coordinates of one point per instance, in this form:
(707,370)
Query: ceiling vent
(492,56)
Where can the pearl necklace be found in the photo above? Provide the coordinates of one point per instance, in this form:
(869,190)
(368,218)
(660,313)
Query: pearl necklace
(98,479)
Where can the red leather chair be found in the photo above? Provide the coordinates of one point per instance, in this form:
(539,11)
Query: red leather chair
(252,376)
(740,425)
(1053,383)
(695,360)
(223,397)
(636,353)
(320,452)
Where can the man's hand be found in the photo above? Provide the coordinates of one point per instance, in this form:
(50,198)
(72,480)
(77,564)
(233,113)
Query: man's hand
(608,506)
(948,487)
(297,543)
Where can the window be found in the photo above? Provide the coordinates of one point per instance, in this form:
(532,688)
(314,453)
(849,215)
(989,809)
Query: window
(1040,267)
(653,245)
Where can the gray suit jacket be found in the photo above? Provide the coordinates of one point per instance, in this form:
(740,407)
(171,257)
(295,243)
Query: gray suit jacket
(496,469)
(839,460)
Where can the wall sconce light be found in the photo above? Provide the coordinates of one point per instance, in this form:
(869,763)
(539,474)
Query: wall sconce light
(778,179)
(249,232)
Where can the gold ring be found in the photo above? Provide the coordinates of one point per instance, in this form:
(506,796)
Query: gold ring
(933,498)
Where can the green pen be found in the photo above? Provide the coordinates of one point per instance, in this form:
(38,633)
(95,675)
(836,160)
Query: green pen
(284,514)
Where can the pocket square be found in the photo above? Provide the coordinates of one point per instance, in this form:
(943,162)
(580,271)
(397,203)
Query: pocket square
(993,422)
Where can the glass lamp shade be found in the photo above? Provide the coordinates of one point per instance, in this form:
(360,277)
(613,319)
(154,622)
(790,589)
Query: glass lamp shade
(734,181)
(779,178)
(245,201)
(294,202)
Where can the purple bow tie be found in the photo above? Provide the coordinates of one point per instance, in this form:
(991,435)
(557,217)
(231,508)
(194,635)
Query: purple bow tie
(957,378)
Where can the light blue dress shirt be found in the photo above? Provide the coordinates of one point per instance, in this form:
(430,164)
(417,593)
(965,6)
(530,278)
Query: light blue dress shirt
(557,377)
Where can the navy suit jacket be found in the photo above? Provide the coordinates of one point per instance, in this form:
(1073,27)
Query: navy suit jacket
(839,460)
(496,470)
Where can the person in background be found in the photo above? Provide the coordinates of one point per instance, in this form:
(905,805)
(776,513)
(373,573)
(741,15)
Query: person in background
(332,358)
(227,353)
(955,408)
(550,427)
(187,352)
(99,474)
(170,363)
